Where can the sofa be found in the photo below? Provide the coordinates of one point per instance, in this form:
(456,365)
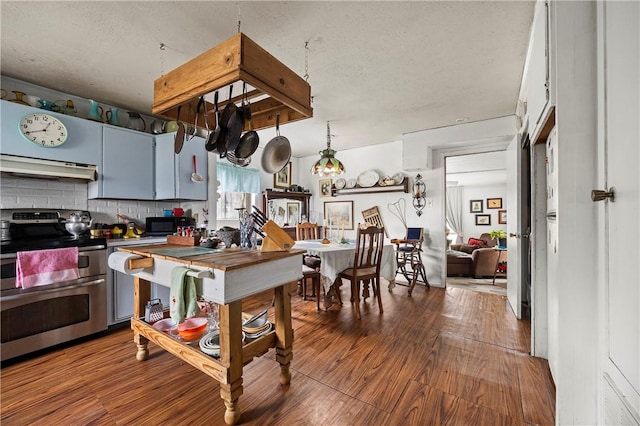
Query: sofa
(476,259)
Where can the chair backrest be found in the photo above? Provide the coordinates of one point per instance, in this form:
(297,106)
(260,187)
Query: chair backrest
(486,237)
(306,231)
(369,244)
(415,234)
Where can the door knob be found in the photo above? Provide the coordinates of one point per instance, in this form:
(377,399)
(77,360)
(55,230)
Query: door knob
(518,235)
(599,195)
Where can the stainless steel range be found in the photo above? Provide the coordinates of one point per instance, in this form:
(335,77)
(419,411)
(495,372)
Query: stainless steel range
(42,316)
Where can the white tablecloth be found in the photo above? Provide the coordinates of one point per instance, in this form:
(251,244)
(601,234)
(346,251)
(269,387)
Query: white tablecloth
(335,258)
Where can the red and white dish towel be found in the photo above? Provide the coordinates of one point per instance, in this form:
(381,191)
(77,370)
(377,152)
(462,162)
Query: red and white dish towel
(41,267)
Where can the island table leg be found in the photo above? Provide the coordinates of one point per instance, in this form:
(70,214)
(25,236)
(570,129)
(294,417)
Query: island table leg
(284,332)
(141,295)
(231,355)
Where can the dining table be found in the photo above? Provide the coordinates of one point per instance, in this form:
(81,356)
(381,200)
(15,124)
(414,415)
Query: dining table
(336,257)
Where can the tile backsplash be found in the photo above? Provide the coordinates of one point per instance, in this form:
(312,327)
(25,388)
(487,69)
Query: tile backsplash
(27,193)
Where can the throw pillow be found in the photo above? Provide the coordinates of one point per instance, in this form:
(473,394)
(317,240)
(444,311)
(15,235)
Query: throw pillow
(476,242)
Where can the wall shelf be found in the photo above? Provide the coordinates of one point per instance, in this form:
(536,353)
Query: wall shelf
(404,187)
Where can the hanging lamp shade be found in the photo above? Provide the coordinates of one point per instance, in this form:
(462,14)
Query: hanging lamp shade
(328,164)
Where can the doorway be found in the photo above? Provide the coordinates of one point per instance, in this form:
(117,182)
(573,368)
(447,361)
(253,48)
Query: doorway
(475,200)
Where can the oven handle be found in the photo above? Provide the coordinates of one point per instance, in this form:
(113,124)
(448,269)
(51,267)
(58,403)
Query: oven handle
(81,250)
(47,292)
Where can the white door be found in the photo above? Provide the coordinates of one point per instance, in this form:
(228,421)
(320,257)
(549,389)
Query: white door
(514,248)
(619,156)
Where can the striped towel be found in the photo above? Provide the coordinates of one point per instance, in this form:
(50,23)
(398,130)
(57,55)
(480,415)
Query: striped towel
(41,267)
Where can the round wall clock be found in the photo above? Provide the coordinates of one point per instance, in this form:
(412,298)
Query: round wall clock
(43,130)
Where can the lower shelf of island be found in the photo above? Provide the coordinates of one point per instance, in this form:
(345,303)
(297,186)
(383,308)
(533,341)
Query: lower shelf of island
(194,356)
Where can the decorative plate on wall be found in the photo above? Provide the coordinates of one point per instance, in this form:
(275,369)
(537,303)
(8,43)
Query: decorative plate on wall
(351,183)
(368,179)
(340,183)
(398,178)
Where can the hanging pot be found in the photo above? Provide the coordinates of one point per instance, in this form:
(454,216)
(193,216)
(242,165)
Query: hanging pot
(277,152)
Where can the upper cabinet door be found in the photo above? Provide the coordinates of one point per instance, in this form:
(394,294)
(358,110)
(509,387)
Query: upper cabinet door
(128,166)
(174,171)
(82,145)
(538,90)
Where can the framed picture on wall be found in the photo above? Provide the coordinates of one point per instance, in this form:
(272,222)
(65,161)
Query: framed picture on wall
(483,219)
(475,206)
(339,214)
(494,203)
(282,179)
(325,187)
(293,213)
(502,216)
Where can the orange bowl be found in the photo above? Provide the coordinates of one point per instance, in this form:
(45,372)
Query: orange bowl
(192,328)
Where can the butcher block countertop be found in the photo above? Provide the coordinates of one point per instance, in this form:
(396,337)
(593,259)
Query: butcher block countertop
(222,259)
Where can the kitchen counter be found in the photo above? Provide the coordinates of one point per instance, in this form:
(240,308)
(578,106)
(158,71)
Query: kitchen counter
(228,276)
(120,242)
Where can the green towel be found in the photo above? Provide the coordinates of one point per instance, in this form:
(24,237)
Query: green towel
(183,297)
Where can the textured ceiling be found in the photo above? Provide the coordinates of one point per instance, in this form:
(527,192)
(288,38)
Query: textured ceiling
(376,69)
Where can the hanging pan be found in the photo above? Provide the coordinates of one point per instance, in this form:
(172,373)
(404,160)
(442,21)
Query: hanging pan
(250,140)
(277,152)
(234,125)
(179,139)
(211,143)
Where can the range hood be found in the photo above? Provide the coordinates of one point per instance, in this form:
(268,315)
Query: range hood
(46,169)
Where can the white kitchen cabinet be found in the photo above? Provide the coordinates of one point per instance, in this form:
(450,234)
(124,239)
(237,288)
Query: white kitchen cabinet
(122,297)
(127,166)
(83,144)
(120,286)
(538,88)
(173,171)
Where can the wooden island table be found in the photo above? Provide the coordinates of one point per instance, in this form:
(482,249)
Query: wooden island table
(230,275)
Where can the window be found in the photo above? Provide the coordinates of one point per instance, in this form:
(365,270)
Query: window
(230,201)
(239,188)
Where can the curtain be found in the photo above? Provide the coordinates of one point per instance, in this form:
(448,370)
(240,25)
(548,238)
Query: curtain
(237,179)
(454,210)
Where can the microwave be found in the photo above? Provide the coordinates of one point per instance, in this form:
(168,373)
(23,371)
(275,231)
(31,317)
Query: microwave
(166,225)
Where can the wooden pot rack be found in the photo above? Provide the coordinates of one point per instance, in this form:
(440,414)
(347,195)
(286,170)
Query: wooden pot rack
(236,60)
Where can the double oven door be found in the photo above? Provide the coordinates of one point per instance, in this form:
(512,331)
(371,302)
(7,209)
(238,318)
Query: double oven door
(43,316)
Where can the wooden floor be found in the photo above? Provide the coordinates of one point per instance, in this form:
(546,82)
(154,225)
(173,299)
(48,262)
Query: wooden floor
(451,356)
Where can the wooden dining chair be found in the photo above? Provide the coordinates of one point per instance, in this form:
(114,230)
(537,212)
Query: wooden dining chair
(310,264)
(366,264)
(306,231)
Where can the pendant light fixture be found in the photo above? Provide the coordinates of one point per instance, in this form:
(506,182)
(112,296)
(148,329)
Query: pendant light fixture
(328,164)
